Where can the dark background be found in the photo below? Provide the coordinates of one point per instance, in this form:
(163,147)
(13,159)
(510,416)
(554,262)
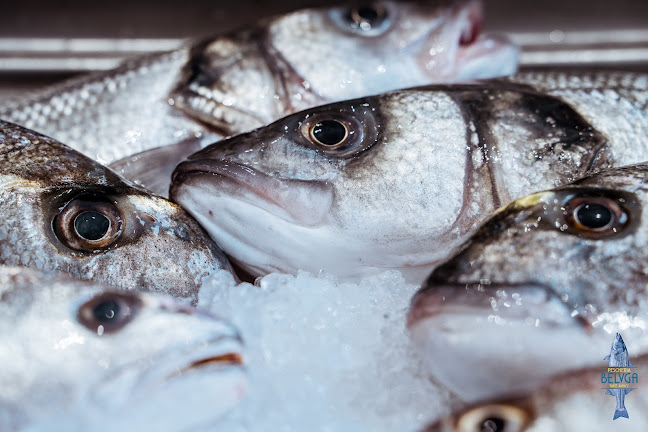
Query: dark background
(553,33)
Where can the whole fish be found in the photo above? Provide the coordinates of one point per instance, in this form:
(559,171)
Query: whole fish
(236,82)
(618,358)
(568,402)
(396,181)
(62,211)
(80,356)
(539,287)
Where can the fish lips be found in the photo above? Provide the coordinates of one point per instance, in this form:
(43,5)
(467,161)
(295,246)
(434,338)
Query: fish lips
(484,341)
(458,50)
(303,202)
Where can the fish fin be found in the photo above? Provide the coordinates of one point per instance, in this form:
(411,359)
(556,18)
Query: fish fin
(621,413)
(609,392)
(607,357)
(628,390)
(152,169)
(630,364)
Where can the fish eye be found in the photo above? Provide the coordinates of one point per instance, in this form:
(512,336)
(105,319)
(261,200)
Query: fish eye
(338,133)
(109,312)
(329,133)
(493,418)
(369,19)
(595,216)
(88,224)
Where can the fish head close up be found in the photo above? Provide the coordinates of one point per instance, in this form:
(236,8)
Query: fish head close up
(393,181)
(314,56)
(64,212)
(112,357)
(542,286)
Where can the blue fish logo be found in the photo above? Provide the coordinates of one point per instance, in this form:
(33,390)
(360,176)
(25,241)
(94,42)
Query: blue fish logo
(619,366)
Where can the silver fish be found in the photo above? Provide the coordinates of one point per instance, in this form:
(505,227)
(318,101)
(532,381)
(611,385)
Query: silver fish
(397,181)
(539,287)
(80,356)
(568,402)
(62,211)
(236,82)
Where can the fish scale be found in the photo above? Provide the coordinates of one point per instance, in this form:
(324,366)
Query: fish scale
(449,154)
(182,100)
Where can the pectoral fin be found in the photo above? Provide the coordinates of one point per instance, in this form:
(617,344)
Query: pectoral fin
(609,392)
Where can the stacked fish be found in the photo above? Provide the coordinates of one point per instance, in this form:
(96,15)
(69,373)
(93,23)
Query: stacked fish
(270,163)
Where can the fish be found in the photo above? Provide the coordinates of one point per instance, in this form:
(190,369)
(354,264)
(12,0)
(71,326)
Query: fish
(539,287)
(397,181)
(187,98)
(618,358)
(78,355)
(569,401)
(62,211)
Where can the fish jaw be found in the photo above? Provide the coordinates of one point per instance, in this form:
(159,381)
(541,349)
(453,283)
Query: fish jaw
(200,356)
(457,52)
(462,333)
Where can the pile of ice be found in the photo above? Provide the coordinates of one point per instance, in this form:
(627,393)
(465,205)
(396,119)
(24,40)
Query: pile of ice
(326,356)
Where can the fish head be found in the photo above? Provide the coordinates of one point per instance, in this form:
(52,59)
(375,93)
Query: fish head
(65,212)
(123,356)
(324,188)
(355,50)
(393,181)
(543,283)
(314,56)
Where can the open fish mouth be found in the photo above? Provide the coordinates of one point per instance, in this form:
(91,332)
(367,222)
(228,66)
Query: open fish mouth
(458,50)
(302,202)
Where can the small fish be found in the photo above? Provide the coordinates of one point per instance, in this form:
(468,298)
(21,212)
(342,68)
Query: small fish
(539,287)
(62,211)
(396,181)
(77,355)
(567,402)
(618,357)
(232,83)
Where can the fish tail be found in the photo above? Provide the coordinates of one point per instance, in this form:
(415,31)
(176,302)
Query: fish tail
(620,413)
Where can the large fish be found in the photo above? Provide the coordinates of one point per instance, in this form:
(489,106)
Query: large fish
(396,181)
(233,83)
(539,287)
(62,211)
(569,402)
(80,356)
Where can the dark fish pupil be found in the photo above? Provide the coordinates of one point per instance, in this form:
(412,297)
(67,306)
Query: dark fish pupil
(368,14)
(106,311)
(493,424)
(594,215)
(91,225)
(329,132)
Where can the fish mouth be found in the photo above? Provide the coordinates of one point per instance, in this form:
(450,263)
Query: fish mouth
(510,304)
(488,341)
(457,50)
(219,361)
(302,202)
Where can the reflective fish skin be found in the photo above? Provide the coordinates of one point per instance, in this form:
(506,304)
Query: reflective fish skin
(542,276)
(233,83)
(80,356)
(568,402)
(416,173)
(65,212)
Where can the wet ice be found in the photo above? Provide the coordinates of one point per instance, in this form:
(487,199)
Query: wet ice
(326,356)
